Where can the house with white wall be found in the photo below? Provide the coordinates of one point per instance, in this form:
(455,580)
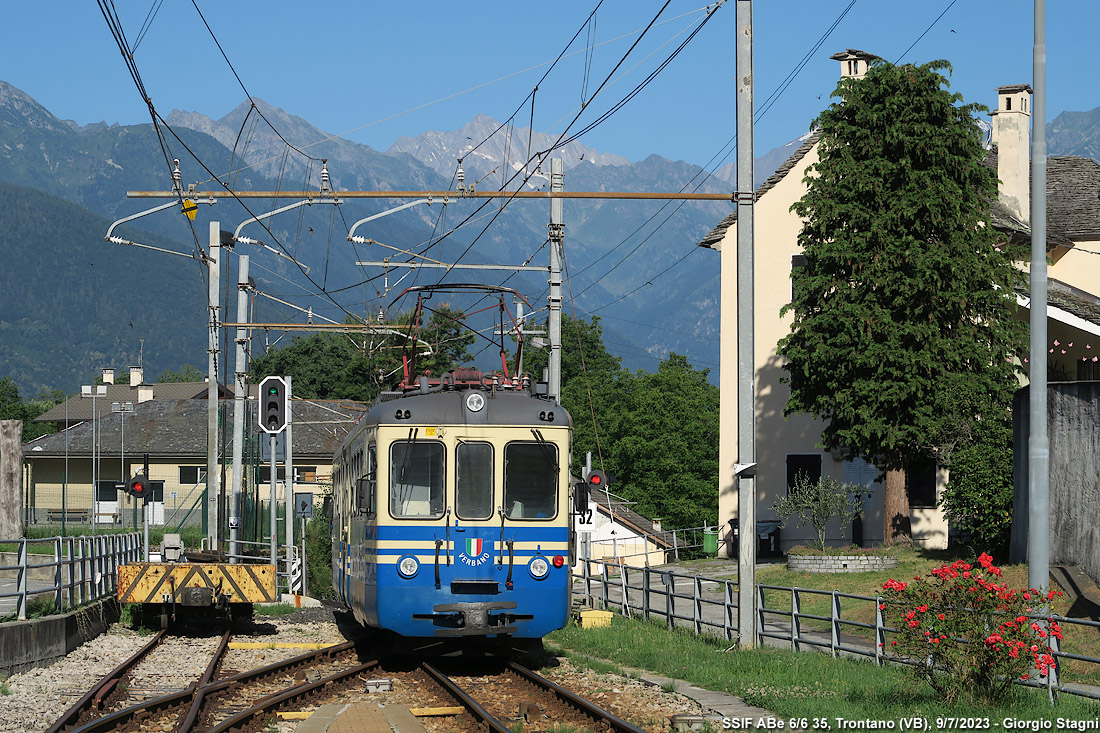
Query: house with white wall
(788,445)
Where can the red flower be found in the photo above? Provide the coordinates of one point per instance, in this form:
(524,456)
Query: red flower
(942,617)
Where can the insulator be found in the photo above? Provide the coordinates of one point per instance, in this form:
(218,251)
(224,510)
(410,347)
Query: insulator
(460,176)
(324,176)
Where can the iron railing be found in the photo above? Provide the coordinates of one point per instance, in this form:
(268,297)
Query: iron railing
(708,606)
(76,570)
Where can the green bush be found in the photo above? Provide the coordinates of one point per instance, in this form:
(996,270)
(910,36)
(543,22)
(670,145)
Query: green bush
(978,496)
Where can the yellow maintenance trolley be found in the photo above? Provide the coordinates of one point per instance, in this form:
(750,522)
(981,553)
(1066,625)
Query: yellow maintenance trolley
(167,588)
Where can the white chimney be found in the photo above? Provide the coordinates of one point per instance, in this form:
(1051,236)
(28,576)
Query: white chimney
(853,62)
(137,376)
(145,392)
(108,376)
(1012,136)
(656,525)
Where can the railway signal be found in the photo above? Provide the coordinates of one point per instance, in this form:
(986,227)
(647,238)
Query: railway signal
(139,488)
(273,405)
(597,479)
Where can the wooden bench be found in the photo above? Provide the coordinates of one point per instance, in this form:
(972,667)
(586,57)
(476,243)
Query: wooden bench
(77,516)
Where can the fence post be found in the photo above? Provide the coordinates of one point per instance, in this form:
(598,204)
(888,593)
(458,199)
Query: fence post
(71,564)
(796,626)
(880,632)
(759,612)
(58,578)
(624,585)
(728,610)
(698,604)
(21,583)
(675,546)
(645,593)
(670,599)
(588,581)
(603,579)
(834,623)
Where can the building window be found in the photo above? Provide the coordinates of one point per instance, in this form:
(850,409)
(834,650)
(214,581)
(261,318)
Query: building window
(1008,103)
(1088,371)
(263,474)
(105,490)
(191,475)
(808,464)
(797,261)
(921,481)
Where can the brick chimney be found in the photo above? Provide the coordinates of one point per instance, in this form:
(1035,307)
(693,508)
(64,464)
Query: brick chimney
(853,62)
(108,376)
(1012,138)
(137,376)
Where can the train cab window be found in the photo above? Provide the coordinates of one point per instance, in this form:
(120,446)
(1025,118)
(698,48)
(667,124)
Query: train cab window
(416,479)
(366,483)
(530,480)
(474,480)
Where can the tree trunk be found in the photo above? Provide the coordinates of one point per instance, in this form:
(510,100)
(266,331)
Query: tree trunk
(11,473)
(895,516)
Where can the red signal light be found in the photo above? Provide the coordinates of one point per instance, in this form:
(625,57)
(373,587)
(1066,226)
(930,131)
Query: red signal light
(596,480)
(558,561)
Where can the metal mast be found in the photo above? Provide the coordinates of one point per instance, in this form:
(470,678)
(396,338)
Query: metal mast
(240,373)
(557,235)
(1038,534)
(213,263)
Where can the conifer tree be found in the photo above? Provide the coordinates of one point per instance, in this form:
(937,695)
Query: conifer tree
(903,311)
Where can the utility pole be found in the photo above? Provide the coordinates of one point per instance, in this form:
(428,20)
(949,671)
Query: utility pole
(557,236)
(1038,532)
(214,265)
(239,395)
(746,366)
(288,466)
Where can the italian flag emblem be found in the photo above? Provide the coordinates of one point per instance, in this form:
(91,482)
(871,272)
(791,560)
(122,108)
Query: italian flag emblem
(473,546)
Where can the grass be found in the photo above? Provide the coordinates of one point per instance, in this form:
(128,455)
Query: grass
(5,688)
(796,684)
(273,609)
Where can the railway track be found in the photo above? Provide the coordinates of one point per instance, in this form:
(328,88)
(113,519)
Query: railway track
(494,700)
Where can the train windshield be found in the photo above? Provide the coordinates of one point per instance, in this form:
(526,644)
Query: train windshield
(416,479)
(474,480)
(530,480)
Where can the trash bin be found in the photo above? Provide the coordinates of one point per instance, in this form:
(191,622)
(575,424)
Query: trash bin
(710,540)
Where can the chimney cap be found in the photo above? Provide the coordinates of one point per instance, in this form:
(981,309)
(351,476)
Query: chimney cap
(853,53)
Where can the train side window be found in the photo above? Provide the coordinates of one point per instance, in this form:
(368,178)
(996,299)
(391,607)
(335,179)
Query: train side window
(365,484)
(474,480)
(531,480)
(416,479)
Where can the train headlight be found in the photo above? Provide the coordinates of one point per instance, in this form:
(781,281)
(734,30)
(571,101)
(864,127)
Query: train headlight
(407,566)
(539,568)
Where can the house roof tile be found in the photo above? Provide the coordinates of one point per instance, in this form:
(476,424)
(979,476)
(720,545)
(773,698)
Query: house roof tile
(178,428)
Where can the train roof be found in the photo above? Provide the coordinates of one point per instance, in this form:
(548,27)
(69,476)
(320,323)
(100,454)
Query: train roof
(467,407)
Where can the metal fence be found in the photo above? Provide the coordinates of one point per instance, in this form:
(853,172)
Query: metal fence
(708,606)
(63,571)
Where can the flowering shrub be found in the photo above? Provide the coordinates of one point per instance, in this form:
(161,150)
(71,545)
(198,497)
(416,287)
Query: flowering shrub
(967,631)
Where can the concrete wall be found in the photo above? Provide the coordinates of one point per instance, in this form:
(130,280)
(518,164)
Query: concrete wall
(38,642)
(1073,415)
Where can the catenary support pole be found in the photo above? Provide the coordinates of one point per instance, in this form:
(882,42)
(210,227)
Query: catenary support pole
(557,237)
(1038,536)
(746,371)
(239,395)
(214,265)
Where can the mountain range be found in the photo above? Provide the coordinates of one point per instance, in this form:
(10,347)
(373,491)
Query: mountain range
(74,303)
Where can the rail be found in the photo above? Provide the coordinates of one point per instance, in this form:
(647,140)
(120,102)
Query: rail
(708,606)
(76,570)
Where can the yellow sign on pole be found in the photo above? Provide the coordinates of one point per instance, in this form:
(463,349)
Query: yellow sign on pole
(189,208)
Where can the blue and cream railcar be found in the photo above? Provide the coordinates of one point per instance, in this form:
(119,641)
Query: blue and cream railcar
(452,511)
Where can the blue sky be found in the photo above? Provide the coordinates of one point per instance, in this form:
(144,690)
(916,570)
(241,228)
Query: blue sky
(355,67)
